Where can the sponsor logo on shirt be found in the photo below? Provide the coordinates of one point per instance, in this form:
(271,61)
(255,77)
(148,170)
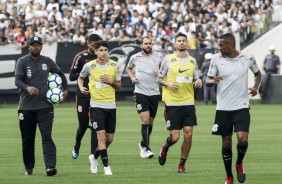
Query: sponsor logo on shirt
(28,73)
(242,64)
(181,71)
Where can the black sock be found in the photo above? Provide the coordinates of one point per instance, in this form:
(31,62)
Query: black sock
(182,161)
(169,143)
(150,129)
(145,136)
(94,141)
(227,159)
(242,149)
(104,157)
(96,153)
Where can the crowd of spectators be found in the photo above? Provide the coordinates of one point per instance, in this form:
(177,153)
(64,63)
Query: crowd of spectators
(129,20)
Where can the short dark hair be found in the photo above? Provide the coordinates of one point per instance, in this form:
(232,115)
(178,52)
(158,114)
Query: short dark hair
(142,39)
(228,37)
(101,43)
(179,35)
(94,38)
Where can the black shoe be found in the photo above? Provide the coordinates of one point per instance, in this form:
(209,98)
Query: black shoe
(28,172)
(51,172)
(162,156)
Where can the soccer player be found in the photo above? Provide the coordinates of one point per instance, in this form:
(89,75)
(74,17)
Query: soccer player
(82,100)
(147,93)
(229,71)
(178,76)
(104,79)
(31,76)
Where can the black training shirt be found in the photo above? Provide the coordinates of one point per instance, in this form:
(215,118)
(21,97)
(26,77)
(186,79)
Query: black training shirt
(34,73)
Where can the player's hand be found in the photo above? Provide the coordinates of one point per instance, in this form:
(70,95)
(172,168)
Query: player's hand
(65,95)
(253,91)
(84,90)
(198,83)
(134,80)
(32,90)
(106,79)
(173,86)
(217,79)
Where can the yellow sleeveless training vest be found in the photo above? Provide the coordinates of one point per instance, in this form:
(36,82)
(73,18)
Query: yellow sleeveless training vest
(99,91)
(182,74)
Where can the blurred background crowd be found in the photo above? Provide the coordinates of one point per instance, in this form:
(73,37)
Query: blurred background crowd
(129,20)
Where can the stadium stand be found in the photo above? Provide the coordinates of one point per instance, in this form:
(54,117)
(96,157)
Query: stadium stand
(202,21)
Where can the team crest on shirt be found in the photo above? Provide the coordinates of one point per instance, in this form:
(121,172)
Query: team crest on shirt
(242,64)
(113,64)
(21,116)
(44,66)
(93,66)
(94,125)
(192,61)
(173,60)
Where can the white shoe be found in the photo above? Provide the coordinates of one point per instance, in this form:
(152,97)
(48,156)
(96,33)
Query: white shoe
(108,170)
(149,154)
(93,164)
(143,153)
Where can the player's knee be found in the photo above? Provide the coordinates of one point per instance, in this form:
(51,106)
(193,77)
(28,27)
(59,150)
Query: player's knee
(227,145)
(174,138)
(243,142)
(109,141)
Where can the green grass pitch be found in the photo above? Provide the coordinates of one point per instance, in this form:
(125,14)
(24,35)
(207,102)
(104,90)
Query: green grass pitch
(263,162)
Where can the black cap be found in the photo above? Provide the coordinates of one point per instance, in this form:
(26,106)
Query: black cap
(35,39)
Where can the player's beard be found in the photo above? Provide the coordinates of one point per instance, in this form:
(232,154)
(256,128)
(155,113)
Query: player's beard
(35,54)
(146,51)
(181,50)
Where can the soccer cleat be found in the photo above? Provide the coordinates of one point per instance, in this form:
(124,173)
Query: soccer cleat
(229,181)
(181,169)
(149,154)
(75,153)
(143,153)
(162,156)
(93,164)
(28,172)
(241,175)
(51,172)
(108,170)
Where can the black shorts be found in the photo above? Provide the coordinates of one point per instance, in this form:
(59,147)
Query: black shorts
(147,103)
(103,119)
(225,120)
(178,117)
